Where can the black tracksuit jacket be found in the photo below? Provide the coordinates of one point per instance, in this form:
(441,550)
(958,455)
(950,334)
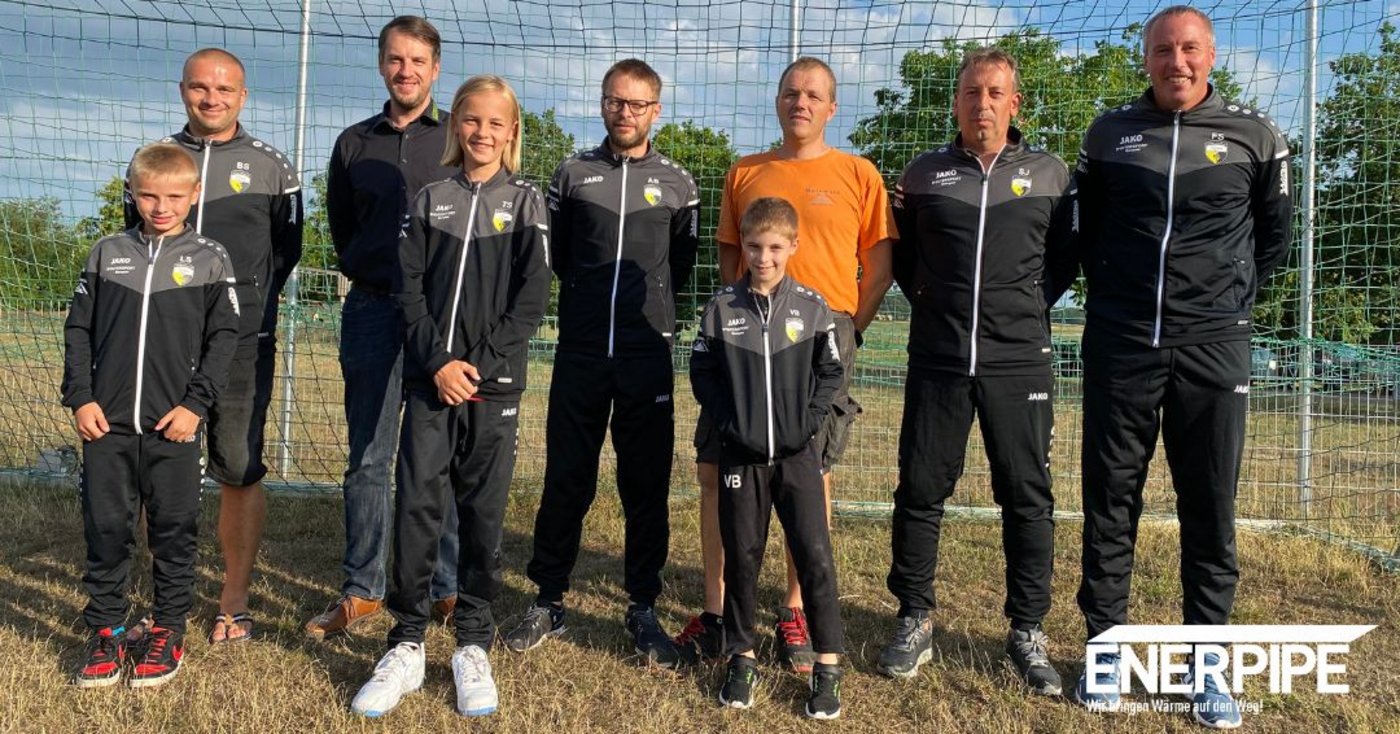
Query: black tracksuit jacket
(624,235)
(1181,215)
(153,325)
(251,204)
(980,257)
(766,369)
(473,279)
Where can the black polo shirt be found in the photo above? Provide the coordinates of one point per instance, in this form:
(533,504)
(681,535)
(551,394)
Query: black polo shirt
(376,170)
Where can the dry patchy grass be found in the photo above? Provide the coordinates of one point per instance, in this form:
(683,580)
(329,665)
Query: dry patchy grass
(591,681)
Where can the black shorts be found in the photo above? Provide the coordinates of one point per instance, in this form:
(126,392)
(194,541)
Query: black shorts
(835,432)
(239,416)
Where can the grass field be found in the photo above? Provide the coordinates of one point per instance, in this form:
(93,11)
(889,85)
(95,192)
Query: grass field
(591,681)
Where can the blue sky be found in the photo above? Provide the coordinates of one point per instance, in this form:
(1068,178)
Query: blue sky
(82,83)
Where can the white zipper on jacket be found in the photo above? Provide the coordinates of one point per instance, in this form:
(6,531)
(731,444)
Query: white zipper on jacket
(977,264)
(1166,234)
(152,253)
(203,187)
(763,318)
(617,266)
(462,269)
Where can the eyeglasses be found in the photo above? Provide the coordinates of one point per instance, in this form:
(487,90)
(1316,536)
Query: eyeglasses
(637,106)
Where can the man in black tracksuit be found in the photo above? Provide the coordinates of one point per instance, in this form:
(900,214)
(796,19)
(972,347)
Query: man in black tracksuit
(472,284)
(1183,208)
(978,218)
(624,234)
(251,203)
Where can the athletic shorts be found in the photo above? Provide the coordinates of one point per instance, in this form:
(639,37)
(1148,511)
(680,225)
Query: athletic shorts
(239,416)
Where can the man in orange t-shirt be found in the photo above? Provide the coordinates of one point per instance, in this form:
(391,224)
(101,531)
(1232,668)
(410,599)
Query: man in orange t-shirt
(843,236)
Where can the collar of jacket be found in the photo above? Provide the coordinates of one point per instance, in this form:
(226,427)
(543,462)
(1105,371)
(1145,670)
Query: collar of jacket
(781,289)
(1210,105)
(145,239)
(498,178)
(605,153)
(1015,145)
(185,138)
(431,116)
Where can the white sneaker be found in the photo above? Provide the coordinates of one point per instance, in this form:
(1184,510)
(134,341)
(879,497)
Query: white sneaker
(400,671)
(476,690)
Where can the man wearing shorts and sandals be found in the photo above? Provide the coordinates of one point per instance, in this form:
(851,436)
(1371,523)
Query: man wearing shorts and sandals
(845,231)
(251,203)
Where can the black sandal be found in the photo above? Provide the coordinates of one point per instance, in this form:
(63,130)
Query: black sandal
(242,620)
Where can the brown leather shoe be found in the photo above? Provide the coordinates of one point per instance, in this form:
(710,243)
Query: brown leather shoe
(442,610)
(341,615)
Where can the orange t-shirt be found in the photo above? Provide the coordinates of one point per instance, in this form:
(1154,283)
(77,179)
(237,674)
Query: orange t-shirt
(842,208)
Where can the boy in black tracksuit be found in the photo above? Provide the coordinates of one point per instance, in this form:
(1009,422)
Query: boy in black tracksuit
(147,347)
(473,282)
(765,366)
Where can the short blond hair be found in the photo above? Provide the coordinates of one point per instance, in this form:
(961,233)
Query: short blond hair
(1174,11)
(162,160)
(452,153)
(769,214)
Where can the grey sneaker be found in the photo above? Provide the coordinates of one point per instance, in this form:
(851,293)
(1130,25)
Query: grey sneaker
(909,647)
(1027,650)
(541,622)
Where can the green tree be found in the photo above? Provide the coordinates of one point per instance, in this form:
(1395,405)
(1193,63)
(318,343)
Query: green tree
(40,256)
(543,146)
(111,211)
(1358,200)
(707,153)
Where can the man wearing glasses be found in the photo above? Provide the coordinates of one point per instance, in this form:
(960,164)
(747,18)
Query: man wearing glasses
(624,225)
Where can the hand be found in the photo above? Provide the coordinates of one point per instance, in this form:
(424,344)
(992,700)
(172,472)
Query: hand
(179,425)
(91,421)
(456,382)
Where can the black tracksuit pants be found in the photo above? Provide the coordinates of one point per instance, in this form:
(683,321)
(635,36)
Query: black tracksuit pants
(747,497)
(582,394)
(121,473)
(464,454)
(1017,417)
(1197,397)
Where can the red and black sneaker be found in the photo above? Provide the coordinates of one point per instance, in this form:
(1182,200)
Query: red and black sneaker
(702,638)
(102,658)
(161,661)
(794,641)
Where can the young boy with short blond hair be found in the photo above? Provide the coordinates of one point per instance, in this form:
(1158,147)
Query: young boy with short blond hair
(765,366)
(147,344)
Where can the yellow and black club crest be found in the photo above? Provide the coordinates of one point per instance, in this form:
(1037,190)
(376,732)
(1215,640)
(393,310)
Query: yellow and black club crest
(1217,150)
(1021,185)
(652,194)
(500,219)
(239,180)
(182,274)
(794,327)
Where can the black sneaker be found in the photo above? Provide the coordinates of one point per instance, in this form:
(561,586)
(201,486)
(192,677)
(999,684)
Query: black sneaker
(702,638)
(102,658)
(794,641)
(825,683)
(909,647)
(165,648)
(541,622)
(649,640)
(739,681)
(1026,648)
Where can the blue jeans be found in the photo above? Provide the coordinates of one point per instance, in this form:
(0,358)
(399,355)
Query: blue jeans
(371,361)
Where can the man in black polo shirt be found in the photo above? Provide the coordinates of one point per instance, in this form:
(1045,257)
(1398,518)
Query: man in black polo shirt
(377,168)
